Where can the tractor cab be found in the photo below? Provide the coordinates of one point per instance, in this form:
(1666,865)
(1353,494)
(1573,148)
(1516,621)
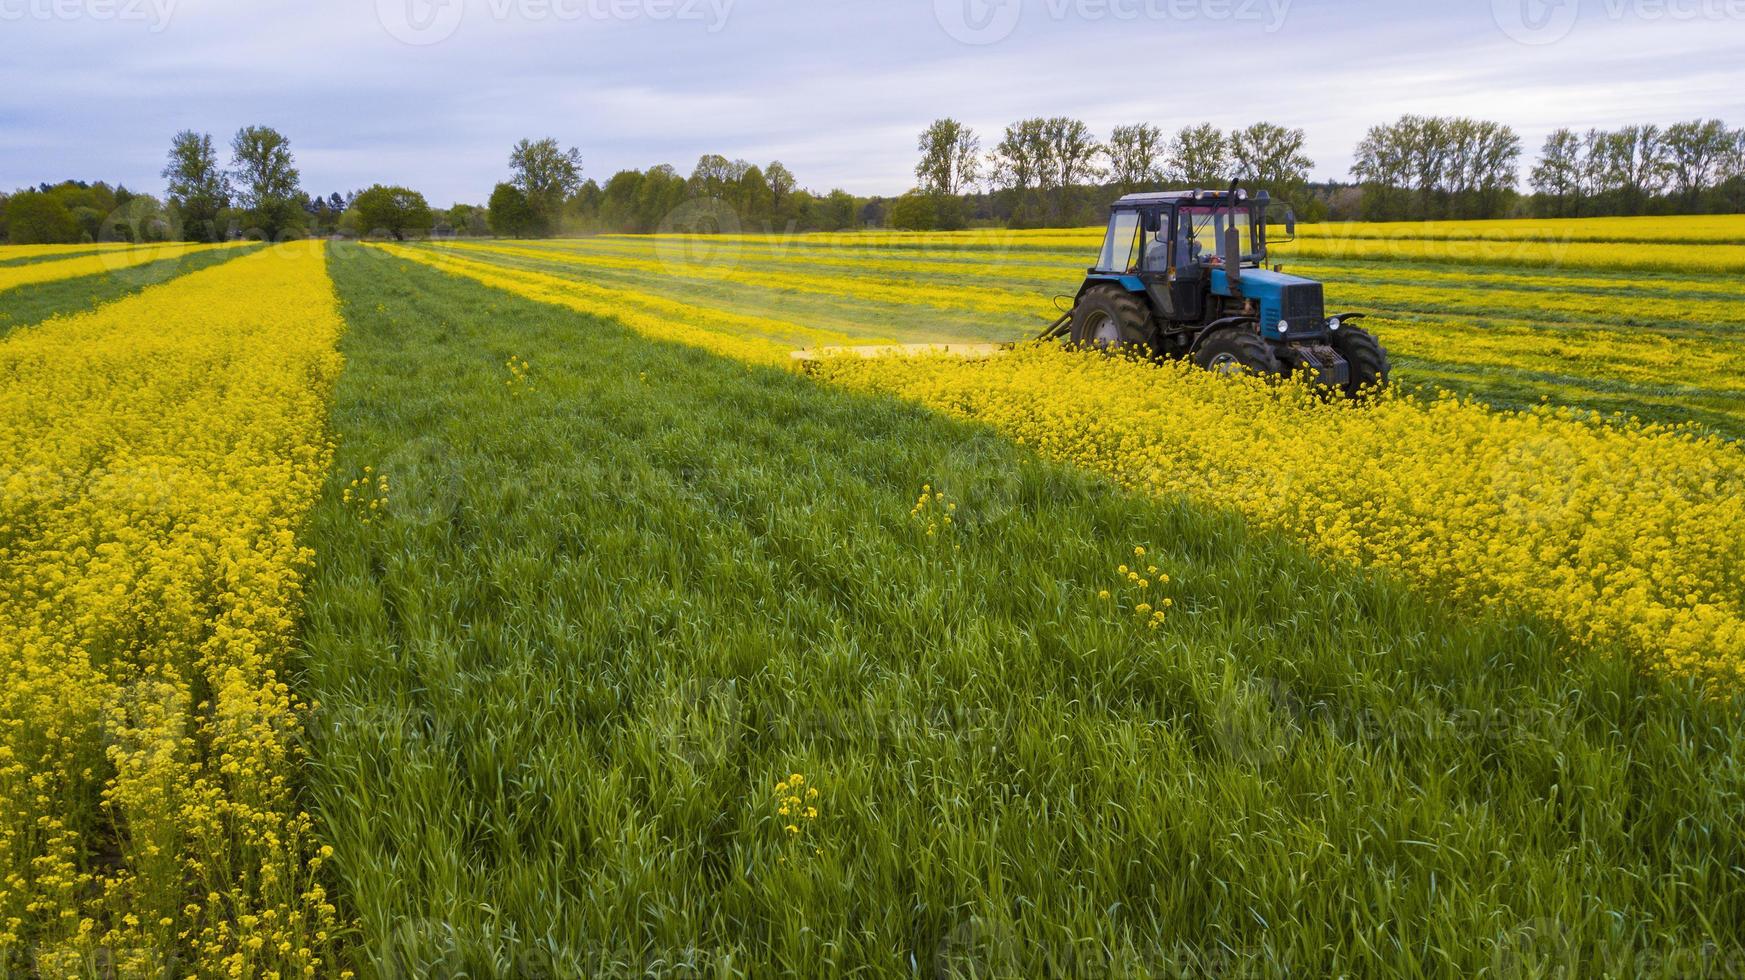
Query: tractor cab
(1183,274)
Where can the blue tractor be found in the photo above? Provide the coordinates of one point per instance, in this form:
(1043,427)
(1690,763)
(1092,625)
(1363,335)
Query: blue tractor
(1183,275)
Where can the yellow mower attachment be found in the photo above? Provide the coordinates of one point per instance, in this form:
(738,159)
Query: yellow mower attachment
(806,358)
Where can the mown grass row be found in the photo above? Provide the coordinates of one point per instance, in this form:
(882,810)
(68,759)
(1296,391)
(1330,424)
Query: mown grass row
(609,599)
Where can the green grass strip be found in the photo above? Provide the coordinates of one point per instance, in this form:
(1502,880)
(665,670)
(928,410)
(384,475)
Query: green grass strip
(608,607)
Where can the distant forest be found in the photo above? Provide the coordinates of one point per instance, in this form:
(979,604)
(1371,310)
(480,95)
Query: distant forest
(1052,172)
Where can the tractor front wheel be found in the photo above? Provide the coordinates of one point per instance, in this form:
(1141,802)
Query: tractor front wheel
(1367,359)
(1236,352)
(1110,319)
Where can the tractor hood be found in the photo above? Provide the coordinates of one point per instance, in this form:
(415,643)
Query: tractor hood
(1280,298)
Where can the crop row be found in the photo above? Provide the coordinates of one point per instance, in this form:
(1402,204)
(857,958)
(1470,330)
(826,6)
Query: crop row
(150,577)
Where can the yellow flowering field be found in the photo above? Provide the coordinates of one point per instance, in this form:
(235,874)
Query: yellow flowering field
(1617,315)
(1627,535)
(107,260)
(154,484)
(639,661)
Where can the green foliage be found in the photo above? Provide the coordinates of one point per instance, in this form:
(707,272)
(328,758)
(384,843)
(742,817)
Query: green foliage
(1428,167)
(267,184)
(512,215)
(609,608)
(720,195)
(198,189)
(38,218)
(392,212)
(950,158)
(1270,158)
(467,219)
(547,175)
(914,211)
(920,211)
(1136,158)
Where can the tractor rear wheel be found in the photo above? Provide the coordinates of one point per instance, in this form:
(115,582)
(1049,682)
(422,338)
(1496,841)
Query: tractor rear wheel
(1111,319)
(1236,352)
(1366,358)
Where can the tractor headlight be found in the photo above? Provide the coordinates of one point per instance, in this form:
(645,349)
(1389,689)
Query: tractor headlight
(1284,326)
(1334,324)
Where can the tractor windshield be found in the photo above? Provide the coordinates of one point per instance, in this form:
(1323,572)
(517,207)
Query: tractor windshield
(1121,248)
(1203,227)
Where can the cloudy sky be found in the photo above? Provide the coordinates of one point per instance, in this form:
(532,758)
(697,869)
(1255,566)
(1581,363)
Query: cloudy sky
(432,93)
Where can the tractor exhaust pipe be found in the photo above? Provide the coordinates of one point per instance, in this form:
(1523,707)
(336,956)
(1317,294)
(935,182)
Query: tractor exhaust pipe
(1233,243)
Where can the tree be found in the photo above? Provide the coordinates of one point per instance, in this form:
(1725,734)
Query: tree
(1199,156)
(950,158)
(468,219)
(1695,154)
(713,176)
(781,186)
(547,175)
(1490,159)
(1072,154)
(512,215)
(392,211)
(1271,157)
(1019,165)
(1426,167)
(915,211)
(197,187)
(1021,156)
(661,193)
(267,181)
(1135,157)
(1594,150)
(751,196)
(136,218)
(1636,164)
(1558,175)
(838,212)
(38,218)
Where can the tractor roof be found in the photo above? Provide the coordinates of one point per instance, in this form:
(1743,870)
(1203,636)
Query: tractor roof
(1177,197)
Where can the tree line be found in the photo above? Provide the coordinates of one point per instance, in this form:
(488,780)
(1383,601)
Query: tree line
(1040,172)
(257,194)
(1055,172)
(547,194)
(1696,166)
